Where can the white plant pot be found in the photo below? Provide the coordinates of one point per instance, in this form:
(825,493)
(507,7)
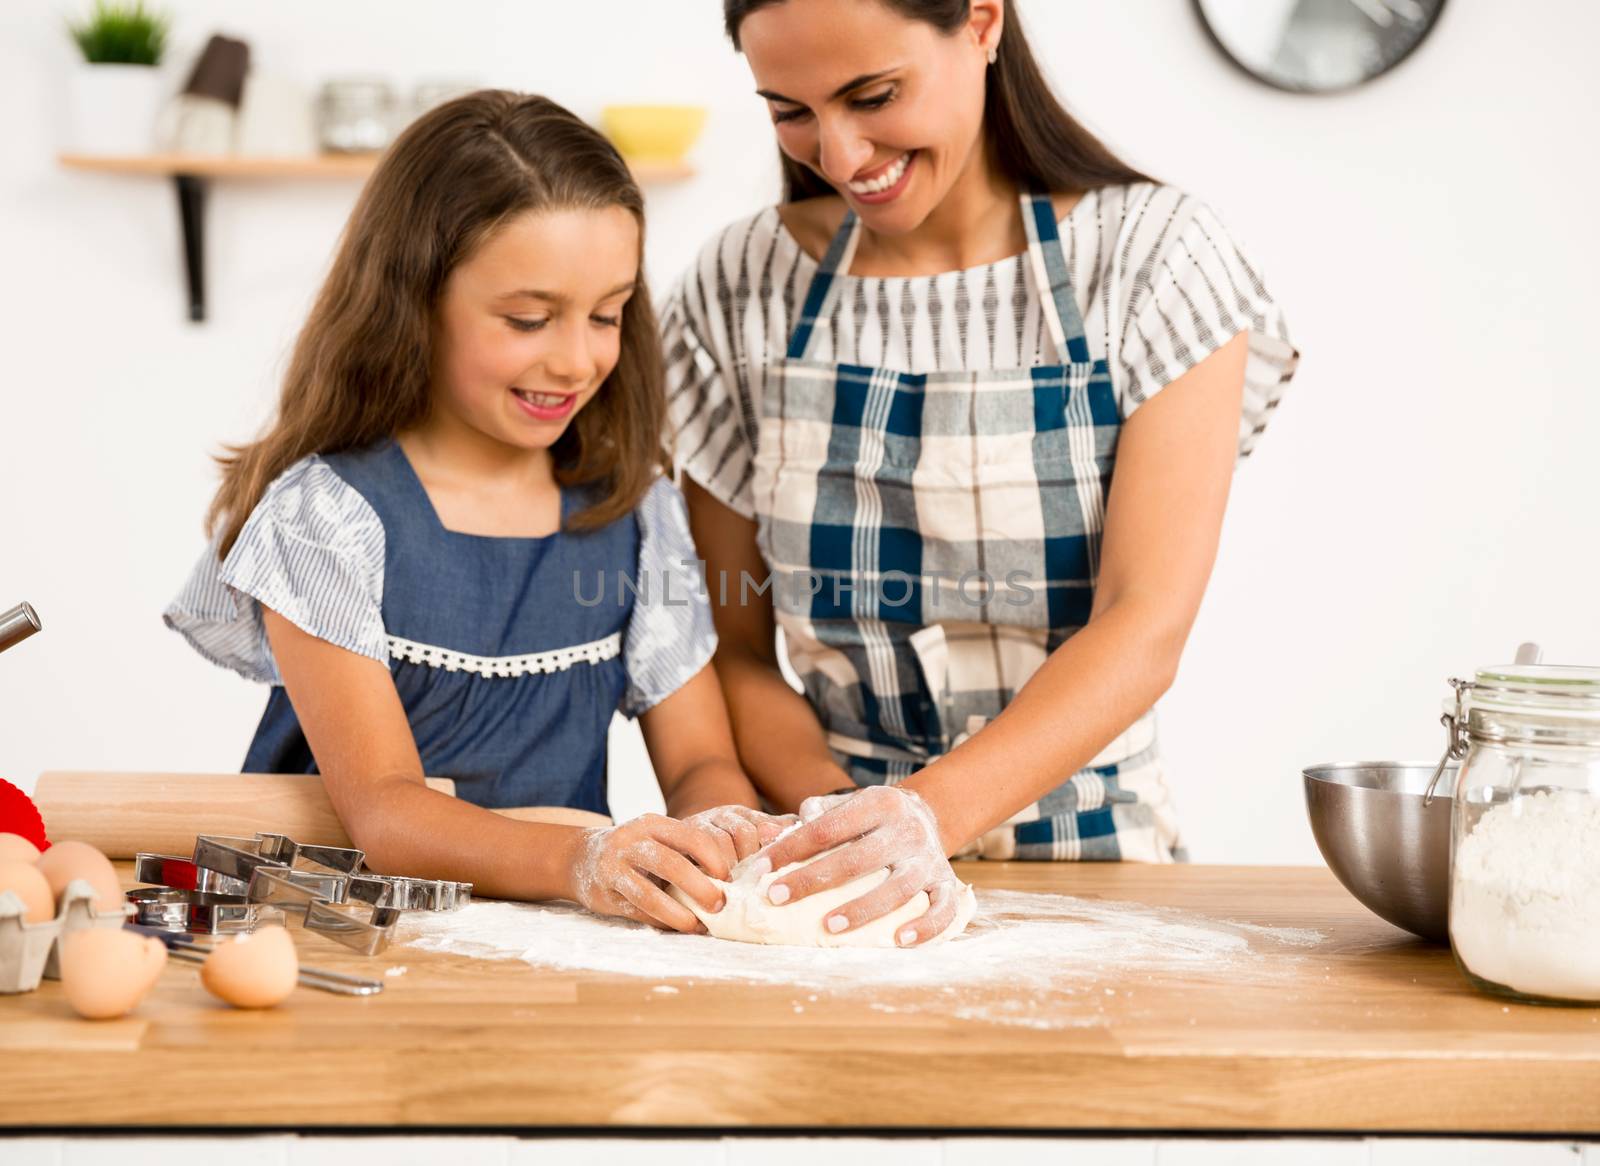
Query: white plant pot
(112,109)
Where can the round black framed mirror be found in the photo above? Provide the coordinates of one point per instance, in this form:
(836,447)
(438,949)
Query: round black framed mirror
(1318,46)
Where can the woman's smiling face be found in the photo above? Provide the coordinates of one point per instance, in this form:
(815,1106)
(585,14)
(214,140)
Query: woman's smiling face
(887,109)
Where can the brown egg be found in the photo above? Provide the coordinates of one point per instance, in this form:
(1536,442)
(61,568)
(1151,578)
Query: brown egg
(16,848)
(66,861)
(38,905)
(106,972)
(254,970)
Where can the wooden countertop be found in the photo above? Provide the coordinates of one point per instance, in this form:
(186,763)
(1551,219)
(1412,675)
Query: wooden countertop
(1368,1030)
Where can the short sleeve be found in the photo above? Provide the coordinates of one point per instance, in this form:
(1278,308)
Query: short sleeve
(312,551)
(1188,289)
(712,435)
(670,637)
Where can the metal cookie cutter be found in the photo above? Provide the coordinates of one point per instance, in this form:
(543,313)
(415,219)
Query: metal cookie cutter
(170,870)
(345,923)
(408,894)
(325,885)
(238,858)
(201,912)
(329,886)
(368,929)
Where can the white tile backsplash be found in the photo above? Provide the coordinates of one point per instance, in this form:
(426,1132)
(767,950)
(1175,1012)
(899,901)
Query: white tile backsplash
(1133,1151)
(401,1150)
(1262,1152)
(31,1151)
(841,1151)
(1473,1152)
(600,1151)
(167,1149)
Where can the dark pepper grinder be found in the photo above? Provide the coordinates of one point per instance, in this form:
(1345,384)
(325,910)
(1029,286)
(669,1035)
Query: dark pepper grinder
(17,625)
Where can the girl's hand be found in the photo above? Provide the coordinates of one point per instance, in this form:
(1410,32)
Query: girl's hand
(881,826)
(621,870)
(740,831)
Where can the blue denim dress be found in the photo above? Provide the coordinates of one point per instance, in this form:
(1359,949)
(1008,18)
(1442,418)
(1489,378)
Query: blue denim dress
(510,655)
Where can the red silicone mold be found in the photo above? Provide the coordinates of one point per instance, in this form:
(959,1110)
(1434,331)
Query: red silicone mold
(18,815)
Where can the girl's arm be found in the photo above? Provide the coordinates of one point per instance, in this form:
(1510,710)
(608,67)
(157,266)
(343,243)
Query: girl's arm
(780,740)
(353,720)
(691,747)
(1175,463)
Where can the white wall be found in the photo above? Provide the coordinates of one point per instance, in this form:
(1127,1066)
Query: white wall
(1422,502)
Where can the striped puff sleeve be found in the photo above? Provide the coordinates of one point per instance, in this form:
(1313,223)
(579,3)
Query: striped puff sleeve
(711,417)
(312,551)
(1188,289)
(670,637)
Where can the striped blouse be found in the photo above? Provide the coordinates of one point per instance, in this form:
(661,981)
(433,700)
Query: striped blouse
(1159,281)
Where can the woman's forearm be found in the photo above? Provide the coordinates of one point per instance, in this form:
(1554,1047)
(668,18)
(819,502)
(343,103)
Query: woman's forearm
(1088,691)
(781,743)
(406,828)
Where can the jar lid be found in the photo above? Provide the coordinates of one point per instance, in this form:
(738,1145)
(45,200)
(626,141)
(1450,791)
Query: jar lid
(1564,689)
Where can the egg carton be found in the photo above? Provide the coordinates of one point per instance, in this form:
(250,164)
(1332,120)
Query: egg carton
(30,952)
(78,914)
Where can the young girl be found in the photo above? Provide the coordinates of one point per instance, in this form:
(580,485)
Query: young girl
(468,440)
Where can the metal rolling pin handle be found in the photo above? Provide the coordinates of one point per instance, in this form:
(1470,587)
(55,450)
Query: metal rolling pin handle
(17,625)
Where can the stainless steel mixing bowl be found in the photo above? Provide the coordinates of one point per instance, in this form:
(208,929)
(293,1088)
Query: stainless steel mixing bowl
(1387,848)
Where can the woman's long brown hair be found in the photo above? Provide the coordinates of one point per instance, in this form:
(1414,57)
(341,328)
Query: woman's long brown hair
(1034,140)
(360,370)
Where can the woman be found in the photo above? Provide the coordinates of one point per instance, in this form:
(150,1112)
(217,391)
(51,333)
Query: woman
(973,394)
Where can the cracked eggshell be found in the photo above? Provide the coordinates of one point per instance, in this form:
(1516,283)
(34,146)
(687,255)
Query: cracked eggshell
(16,848)
(256,969)
(66,861)
(106,973)
(29,885)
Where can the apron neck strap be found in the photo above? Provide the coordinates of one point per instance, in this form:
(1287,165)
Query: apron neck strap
(1045,261)
(1051,281)
(823,293)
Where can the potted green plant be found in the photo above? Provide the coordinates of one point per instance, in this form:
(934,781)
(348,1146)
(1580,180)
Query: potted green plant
(115,93)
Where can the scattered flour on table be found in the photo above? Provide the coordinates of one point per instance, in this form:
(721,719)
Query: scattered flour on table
(1525,898)
(1038,949)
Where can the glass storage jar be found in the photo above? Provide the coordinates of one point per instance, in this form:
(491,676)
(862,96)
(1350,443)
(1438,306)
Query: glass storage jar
(1525,832)
(355,115)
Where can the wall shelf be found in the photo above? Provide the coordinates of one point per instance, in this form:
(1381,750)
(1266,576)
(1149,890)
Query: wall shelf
(191,172)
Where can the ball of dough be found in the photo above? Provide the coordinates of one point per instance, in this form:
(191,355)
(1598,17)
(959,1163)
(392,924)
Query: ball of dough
(748,916)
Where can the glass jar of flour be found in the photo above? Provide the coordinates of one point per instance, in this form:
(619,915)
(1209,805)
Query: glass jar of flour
(1525,834)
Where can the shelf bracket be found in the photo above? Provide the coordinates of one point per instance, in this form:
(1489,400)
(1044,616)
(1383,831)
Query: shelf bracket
(192,215)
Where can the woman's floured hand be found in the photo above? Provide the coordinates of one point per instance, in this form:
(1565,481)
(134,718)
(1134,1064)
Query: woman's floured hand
(623,870)
(740,831)
(880,827)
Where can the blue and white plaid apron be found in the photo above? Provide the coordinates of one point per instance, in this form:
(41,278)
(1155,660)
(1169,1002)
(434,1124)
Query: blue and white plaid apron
(933,537)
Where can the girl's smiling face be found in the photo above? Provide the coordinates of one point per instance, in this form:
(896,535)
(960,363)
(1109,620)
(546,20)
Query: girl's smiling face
(887,109)
(528,327)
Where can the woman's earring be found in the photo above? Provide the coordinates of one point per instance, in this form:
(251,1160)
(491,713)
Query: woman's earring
(994,55)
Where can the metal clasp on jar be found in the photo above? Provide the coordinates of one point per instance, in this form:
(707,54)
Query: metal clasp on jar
(1455,723)
(1455,728)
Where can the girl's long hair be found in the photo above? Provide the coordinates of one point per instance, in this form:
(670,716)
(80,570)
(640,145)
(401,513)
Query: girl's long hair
(1033,139)
(361,367)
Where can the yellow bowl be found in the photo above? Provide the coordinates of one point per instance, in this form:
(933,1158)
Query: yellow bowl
(653,133)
